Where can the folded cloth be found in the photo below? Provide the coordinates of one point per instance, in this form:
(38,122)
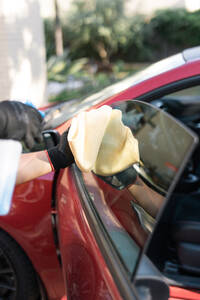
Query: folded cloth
(100,142)
(85,136)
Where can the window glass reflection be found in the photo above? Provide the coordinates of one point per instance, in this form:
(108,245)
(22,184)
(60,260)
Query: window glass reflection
(163,143)
(128,202)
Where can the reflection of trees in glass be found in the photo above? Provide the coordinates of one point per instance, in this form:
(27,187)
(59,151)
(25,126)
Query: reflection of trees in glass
(58,31)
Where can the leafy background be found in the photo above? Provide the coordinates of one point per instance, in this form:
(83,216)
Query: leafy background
(102,45)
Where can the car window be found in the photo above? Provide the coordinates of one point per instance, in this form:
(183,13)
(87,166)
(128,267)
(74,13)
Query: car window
(129,202)
(182,211)
(183,104)
(187,94)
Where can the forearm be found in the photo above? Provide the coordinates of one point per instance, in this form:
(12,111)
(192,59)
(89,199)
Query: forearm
(32,165)
(148,199)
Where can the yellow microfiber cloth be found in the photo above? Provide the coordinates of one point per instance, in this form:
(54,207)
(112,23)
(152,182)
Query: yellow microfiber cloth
(100,142)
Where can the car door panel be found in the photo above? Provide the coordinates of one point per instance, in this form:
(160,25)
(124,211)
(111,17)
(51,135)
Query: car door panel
(103,230)
(85,271)
(182,293)
(114,228)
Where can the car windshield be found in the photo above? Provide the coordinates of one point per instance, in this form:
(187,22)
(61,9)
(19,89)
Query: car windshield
(60,113)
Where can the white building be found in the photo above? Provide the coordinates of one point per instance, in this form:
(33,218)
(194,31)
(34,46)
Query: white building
(131,6)
(148,7)
(22,52)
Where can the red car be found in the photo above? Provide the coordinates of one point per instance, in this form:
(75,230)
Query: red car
(72,235)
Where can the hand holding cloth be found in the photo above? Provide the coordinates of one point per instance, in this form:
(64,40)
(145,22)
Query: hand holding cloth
(100,142)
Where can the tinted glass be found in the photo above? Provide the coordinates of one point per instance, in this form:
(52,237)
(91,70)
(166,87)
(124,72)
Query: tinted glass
(163,143)
(128,202)
(183,104)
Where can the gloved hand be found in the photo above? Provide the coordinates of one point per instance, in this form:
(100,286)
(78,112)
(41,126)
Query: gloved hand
(61,156)
(20,122)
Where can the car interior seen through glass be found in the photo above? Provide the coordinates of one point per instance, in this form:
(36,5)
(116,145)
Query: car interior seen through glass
(132,199)
(177,233)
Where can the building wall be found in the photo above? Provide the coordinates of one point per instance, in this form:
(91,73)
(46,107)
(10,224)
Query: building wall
(149,7)
(48,7)
(131,6)
(22,52)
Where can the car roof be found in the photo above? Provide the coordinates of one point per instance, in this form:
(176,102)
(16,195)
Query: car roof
(153,70)
(191,54)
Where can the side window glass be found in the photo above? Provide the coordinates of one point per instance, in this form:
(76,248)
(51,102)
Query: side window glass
(183,104)
(188,94)
(128,202)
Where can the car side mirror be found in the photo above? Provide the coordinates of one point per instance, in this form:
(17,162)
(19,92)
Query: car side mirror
(10,152)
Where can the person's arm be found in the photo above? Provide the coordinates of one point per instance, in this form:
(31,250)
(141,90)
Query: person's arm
(32,165)
(148,199)
(35,164)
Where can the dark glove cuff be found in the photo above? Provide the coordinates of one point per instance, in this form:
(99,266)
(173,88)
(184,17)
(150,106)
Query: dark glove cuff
(122,179)
(127,177)
(59,159)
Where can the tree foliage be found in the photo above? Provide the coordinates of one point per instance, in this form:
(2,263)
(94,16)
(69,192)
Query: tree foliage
(99,30)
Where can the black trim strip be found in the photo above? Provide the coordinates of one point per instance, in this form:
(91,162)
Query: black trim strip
(120,276)
(54,216)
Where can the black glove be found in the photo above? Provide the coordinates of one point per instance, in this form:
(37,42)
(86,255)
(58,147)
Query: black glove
(122,179)
(20,122)
(61,155)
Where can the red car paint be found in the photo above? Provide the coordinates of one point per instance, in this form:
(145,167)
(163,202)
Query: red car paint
(86,273)
(84,268)
(32,229)
(174,75)
(181,293)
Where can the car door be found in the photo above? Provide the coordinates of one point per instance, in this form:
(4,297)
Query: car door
(106,225)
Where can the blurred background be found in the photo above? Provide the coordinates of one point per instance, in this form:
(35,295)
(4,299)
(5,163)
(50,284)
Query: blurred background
(56,50)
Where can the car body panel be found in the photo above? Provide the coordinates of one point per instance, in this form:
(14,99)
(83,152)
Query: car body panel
(38,240)
(181,293)
(188,70)
(115,207)
(85,270)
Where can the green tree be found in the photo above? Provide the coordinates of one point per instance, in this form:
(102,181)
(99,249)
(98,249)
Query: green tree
(98,27)
(58,31)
